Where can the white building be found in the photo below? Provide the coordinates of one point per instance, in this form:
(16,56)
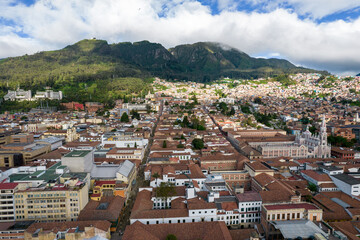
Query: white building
(178,176)
(7,213)
(122,140)
(48,94)
(18,95)
(317,144)
(249,204)
(347,184)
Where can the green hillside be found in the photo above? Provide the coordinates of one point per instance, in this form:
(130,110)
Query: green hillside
(90,63)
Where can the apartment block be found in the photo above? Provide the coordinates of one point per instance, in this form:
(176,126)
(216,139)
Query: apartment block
(7,201)
(60,202)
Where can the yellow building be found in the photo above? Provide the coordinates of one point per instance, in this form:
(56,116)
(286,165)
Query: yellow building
(294,211)
(69,134)
(109,188)
(60,202)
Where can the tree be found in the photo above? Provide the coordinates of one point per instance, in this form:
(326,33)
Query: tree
(156,176)
(135,114)
(164,144)
(232,111)
(171,237)
(198,143)
(124,117)
(312,187)
(165,191)
(180,145)
(148,108)
(258,100)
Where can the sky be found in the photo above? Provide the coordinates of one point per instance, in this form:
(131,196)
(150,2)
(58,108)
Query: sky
(320,34)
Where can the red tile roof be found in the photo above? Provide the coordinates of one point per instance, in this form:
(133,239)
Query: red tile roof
(6,186)
(183,231)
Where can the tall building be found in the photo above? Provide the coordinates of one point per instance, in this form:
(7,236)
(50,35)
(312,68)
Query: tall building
(60,202)
(317,144)
(7,190)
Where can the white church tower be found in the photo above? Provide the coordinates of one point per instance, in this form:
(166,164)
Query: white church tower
(324,148)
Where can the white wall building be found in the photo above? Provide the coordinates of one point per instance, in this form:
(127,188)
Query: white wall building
(347,184)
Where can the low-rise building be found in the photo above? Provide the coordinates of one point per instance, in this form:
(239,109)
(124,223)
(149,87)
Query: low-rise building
(77,230)
(108,208)
(347,184)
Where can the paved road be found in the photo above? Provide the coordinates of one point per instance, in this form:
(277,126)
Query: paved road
(125,217)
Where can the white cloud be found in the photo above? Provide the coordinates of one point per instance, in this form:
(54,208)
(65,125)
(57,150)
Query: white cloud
(52,24)
(314,8)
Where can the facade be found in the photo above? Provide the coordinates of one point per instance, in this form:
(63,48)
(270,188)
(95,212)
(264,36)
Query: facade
(238,180)
(287,213)
(321,180)
(7,212)
(286,150)
(177,174)
(18,95)
(347,184)
(344,153)
(78,161)
(195,210)
(126,153)
(48,94)
(249,205)
(317,144)
(123,140)
(60,202)
(305,145)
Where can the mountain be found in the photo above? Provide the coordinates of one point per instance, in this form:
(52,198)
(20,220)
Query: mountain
(358,75)
(90,60)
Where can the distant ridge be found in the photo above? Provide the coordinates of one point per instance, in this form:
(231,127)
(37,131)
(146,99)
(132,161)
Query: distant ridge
(96,59)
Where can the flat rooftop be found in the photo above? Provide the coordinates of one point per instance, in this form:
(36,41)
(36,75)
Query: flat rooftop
(78,153)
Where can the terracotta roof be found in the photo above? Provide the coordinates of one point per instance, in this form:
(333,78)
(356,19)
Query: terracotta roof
(110,211)
(317,176)
(349,228)
(7,186)
(62,226)
(332,210)
(264,179)
(198,203)
(183,231)
(229,206)
(258,166)
(243,234)
(248,196)
(52,155)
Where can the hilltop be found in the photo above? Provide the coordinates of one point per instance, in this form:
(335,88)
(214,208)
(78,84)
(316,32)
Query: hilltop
(96,59)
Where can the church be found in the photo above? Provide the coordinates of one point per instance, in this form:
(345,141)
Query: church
(304,145)
(317,144)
